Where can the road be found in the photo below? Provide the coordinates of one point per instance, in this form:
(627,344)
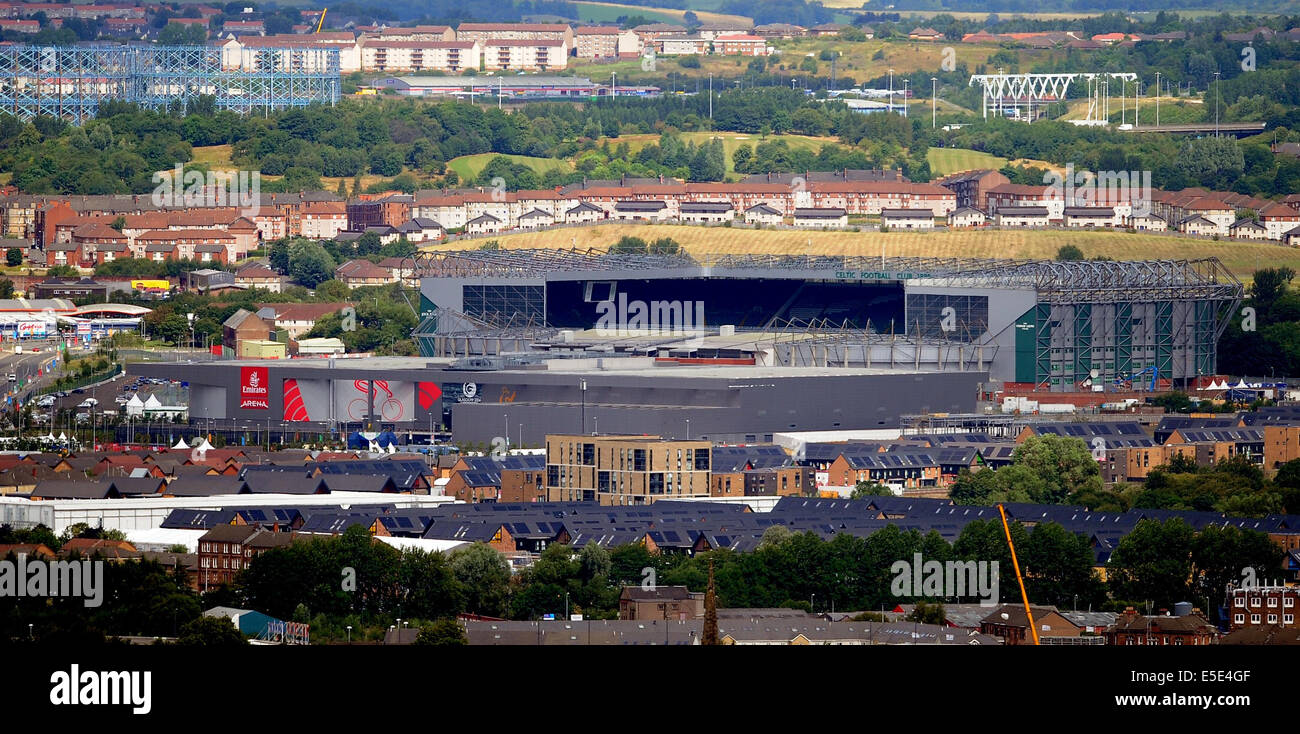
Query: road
(24,367)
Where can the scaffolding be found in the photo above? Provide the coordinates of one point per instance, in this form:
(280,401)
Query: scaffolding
(71,82)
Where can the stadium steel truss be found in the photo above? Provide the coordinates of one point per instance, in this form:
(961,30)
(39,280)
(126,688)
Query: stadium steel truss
(1073,324)
(1027,94)
(71,82)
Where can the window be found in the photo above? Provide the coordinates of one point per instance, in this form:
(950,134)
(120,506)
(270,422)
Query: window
(1239,618)
(1272,602)
(1288,619)
(1288,602)
(1239,601)
(1254,619)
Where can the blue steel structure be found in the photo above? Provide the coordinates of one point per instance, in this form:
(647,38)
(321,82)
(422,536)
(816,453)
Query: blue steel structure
(72,81)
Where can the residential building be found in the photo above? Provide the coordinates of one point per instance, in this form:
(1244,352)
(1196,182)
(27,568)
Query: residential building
(596,42)
(1263,605)
(762,214)
(1022,216)
(1010,622)
(241,328)
(660,602)
(742,44)
(357,273)
(520,55)
(817,218)
(967,216)
(259,276)
(625,470)
(226,550)
(1131,628)
(972,187)
(907,218)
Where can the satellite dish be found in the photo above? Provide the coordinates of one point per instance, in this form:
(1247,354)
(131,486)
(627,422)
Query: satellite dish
(1095,373)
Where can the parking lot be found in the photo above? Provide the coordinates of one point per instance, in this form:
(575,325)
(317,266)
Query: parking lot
(106,394)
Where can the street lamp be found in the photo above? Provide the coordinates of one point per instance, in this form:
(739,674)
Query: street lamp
(688,429)
(1216,104)
(582,385)
(1157,99)
(349,634)
(934,102)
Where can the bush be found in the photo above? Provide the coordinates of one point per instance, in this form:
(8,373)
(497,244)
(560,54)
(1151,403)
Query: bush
(689,62)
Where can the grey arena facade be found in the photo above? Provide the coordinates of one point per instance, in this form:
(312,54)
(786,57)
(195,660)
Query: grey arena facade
(515,343)
(732,403)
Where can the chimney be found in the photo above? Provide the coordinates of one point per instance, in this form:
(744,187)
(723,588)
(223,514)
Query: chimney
(1130,612)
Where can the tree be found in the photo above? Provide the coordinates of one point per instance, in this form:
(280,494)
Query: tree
(279,256)
(211,632)
(485,578)
(1221,554)
(182,34)
(1069,253)
(13,257)
(6,288)
(1174,401)
(1061,466)
(925,613)
(1058,568)
(444,632)
(774,535)
(1153,563)
(310,264)
(709,636)
(865,489)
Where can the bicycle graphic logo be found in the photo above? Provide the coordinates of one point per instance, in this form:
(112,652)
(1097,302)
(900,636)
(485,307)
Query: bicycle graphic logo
(390,409)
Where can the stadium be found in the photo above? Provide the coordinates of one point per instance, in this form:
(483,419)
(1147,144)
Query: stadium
(1059,326)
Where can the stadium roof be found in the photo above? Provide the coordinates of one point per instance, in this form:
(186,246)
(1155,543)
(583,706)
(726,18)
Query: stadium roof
(1093,281)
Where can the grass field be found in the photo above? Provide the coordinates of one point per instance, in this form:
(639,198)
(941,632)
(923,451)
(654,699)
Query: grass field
(589,10)
(470,166)
(1242,258)
(216,157)
(730,142)
(605,13)
(944,161)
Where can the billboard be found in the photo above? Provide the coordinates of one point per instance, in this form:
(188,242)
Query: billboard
(254,388)
(390,401)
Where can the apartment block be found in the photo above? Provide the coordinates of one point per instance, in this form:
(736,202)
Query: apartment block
(625,470)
